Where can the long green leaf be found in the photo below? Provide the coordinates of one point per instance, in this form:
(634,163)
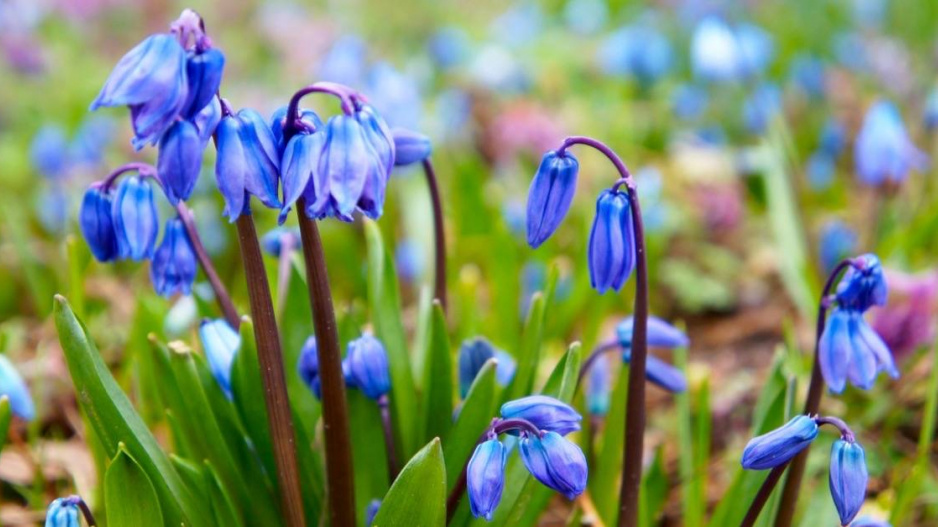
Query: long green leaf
(604,481)
(654,491)
(6,415)
(693,505)
(129,497)
(369,457)
(418,496)
(474,417)
(529,356)
(438,380)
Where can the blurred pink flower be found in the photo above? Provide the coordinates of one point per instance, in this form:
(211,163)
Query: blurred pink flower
(908,320)
(524,128)
(720,206)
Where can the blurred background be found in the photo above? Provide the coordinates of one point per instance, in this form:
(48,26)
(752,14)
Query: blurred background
(740,119)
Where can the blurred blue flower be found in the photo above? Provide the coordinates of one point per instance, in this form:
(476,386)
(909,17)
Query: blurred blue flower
(372,511)
(395,95)
(48,151)
(381,149)
(485,477)
(272,242)
(761,107)
(555,462)
(869,13)
(449,47)
(833,137)
(883,150)
(931,110)
(637,51)
(473,354)
(514,212)
(344,63)
(63,512)
(820,170)
(757,48)
(52,209)
(849,349)
(366,367)
(546,413)
(505,367)
(611,255)
(410,147)
(308,366)
(346,165)
(220,343)
(97,224)
(136,223)
(837,241)
(409,260)
(597,390)
(585,17)
(174,263)
(848,478)
(519,25)
(92,138)
(13,387)
(808,73)
(247,163)
(689,101)
(715,52)
(550,195)
(310,120)
(180,160)
(497,68)
(780,445)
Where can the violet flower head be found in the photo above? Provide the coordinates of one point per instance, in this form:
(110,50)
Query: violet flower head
(96,222)
(485,477)
(555,462)
(64,512)
(174,264)
(366,366)
(221,343)
(135,219)
(550,195)
(180,160)
(611,253)
(908,320)
(780,445)
(883,151)
(848,478)
(546,413)
(473,354)
(410,147)
(863,284)
(13,387)
(849,349)
(248,163)
(661,334)
(203,73)
(308,366)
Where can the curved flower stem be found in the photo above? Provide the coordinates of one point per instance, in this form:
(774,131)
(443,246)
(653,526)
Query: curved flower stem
(393,469)
(221,293)
(786,510)
(439,234)
(270,356)
(845,432)
(762,497)
(143,169)
(598,352)
(86,512)
(635,414)
(344,93)
(339,471)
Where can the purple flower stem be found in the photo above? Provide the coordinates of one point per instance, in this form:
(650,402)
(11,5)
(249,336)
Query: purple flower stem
(293,110)
(393,467)
(83,507)
(845,432)
(439,234)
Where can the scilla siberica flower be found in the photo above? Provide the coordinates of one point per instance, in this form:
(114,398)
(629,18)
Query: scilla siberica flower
(308,366)
(780,445)
(410,147)
(883,151)
(546,413)
(485,477)
(136,223)
(550,195)
(97,223)
(660,335)
(13,387)
(221,343)
(848,478)
(63,512)
(180,160)
(473,354)
(555,462)
(248,163)
(174,265)
(366,367)
(612,242)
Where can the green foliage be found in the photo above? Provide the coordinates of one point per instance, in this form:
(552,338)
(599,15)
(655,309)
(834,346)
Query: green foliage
(129,496)
(418,496)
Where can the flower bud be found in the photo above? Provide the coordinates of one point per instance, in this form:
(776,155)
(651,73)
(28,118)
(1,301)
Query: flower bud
(366,364)
(780,445)
(546,413)
(174,265)
(97,224)
(410,147)
(180,160)
(863,284)
(203,73)
(612,242)
(301,174)
(848,478)
(473,354)
(247,162)
(13,387)
(346,164)
(136,223)
(883,151)
(485,477)
(550,195)
(63,512)
(661,373)
(555,462)
(220,343)
(660,334)
(308,366)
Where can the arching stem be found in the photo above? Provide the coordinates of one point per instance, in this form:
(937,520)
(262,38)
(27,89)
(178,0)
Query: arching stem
(439,234)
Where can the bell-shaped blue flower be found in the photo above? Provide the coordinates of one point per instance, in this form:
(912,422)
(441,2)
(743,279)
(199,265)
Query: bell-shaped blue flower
(485,477)
(248,162)
(780,445)
(848,478)
(136,222)
(97,224)
(883,150)
(221,343)
(555,462)
(850,349)
(345,165)
(203,72)
(410,147)
(309,120)
(546,413)
(301,174)
(366,366)
(48,151)
(174,263)
(180,160)
(661,334)
(13,387)
(863,284)
(63,512)
(550,195)
(308,366)
(206,121)
(660,372)
(612,242)
(597,390)
(151,80)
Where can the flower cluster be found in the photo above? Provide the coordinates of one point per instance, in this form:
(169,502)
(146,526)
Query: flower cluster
(541,423)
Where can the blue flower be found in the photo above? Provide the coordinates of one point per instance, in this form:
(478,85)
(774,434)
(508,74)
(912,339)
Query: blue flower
(48,151)
(931,110)
(473,354)
(761,107)
(248,162)
(504,368)
(366,367)
(780,445)
(833,137)
(410,147)
(555,462)
(344,63)
(13,387)
(220,343)
(301,173)
(837,241)
(308,366)
(136,223)
(174,263)
(715,52)
(756,47)
(97,224)
(597,392)
(883,150)
(372,511)
(849,349)
(808,73)
(612,242)
(820,170)
(449,47)
(63,512)
(151,80)
(550,195)
(638,51)
(345,165)
(485,477)
(206,121)
(848,478)
(382,157)
(203,73)
(546,413)
(689,102)
(863,284)
(180,160)
(91,139)
(409,259)
(273,241)
(660,334)
(309,119)
(660,373)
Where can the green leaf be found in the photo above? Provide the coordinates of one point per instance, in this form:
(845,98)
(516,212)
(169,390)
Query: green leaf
(690,449)
(418,496)
(114,419)
(369,455)
(295,328)
(6,415)
(532,335)
(604,480)
(474,417)
(654,491)
(385,302)
(129,497)
(438,380)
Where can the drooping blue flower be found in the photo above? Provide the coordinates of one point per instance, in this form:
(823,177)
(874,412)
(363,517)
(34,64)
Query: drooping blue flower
(833,137)
(13,387)
(180,160)
(863,284)
(661,334)
(308,366)
(449,47)
(555,462)
(136,222)
(585,16)
(309,119)
(485,477)
(301,173)
(761,107)
(660,373)
(550,195)
(151,80)
(48,151)
(63,512)
(849,349)
(780,445)
(248,162)
(715,52)
(546,413)
(820,170)
(174,263)
(366,367)
(97,225)
(612,242)
(639,51)
(220,343)
(381,147)
(848,478)
(597,391)
(372,511)
(345,166)
(203,73)
(883,150)
(410,147)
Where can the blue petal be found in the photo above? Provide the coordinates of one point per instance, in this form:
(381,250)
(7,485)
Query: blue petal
(180,161)
(550,195)
(848,479)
